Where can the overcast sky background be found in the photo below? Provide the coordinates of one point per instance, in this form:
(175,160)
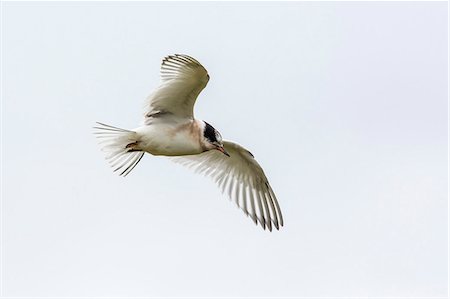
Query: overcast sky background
(344,104)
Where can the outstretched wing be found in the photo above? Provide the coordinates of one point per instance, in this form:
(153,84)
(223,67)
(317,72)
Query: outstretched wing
(242,178)
(182,80)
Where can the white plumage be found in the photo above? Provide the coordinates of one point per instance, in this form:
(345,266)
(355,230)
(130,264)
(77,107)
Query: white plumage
(170,129)
(182,80)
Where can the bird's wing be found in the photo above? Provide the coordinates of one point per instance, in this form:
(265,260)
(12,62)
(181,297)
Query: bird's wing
(242,178)
(182,80)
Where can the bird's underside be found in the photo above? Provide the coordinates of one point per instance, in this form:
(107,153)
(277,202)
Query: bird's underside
(170,129)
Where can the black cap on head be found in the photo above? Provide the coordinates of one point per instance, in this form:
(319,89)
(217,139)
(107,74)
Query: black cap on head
(210,133)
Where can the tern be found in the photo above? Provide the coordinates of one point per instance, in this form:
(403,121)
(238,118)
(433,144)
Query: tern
(170,129)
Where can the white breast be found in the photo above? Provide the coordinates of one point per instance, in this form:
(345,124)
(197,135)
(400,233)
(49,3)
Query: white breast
(170,138)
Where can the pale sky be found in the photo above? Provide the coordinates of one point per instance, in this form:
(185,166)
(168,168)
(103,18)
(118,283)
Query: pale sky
(344,104)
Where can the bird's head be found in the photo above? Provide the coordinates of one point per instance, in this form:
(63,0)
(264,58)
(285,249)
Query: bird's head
(212,140)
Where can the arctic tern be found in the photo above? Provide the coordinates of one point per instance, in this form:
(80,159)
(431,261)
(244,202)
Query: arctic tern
(170,129)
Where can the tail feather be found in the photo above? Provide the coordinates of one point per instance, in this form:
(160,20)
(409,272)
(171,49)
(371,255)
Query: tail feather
(115,143)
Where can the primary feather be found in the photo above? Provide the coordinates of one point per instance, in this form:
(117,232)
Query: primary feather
(182,80)
(242,178)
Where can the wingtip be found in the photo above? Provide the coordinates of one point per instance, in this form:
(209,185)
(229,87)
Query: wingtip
(263,224)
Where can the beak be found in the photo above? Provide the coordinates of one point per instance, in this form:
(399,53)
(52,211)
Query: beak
(221,149)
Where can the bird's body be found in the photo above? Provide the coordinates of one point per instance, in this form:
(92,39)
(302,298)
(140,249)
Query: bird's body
(170,129)
(170,137)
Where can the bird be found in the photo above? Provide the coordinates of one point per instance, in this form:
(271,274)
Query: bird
(170,129)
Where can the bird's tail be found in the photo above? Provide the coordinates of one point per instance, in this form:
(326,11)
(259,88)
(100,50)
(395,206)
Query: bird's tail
(120,147)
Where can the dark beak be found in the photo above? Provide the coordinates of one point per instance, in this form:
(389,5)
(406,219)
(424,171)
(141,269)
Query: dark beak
(221,149)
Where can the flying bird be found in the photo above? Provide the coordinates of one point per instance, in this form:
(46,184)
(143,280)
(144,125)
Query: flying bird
(170,129)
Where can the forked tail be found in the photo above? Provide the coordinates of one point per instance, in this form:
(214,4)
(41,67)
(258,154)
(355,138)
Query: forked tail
(119,146)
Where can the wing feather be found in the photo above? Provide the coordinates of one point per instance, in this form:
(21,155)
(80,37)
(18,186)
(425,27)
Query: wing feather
(242,179)
(182,80)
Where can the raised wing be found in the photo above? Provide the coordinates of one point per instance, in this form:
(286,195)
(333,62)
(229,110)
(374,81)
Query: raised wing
(242,178)
(182,80)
